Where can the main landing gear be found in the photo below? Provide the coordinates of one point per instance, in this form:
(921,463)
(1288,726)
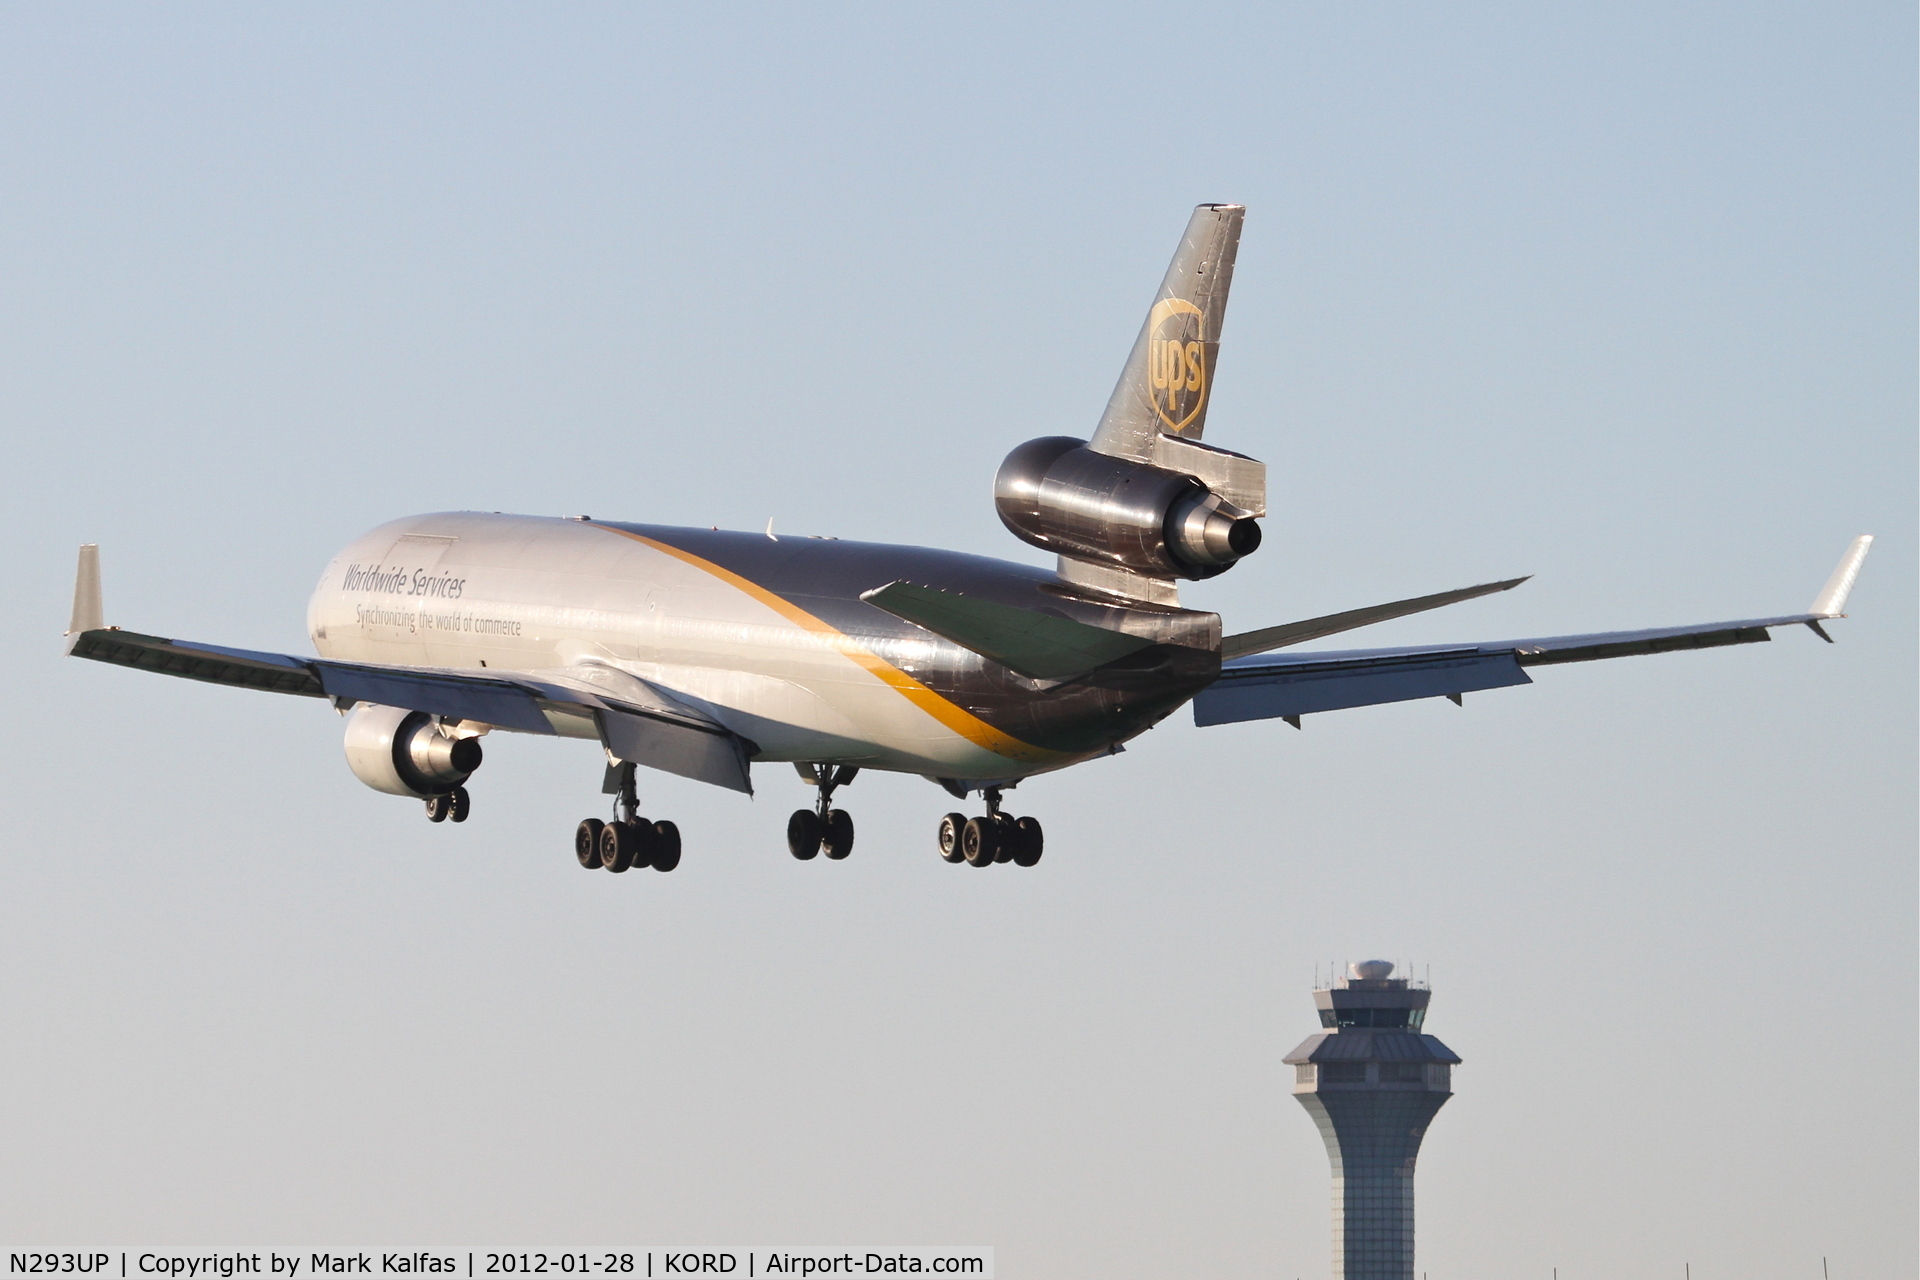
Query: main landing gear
(629,840)
(453,804)
(997,837)
(823,828)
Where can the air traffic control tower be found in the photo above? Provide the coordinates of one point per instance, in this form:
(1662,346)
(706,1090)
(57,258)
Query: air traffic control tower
(1372,1082)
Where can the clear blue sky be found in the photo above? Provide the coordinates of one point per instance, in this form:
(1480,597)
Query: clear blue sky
(1621,296)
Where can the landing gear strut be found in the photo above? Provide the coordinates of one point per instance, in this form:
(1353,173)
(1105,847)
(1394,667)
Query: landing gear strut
(823,828)
(996,837)
(629,840)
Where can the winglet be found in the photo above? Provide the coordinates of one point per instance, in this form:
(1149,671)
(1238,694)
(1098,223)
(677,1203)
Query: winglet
(87,613)
(1832,600)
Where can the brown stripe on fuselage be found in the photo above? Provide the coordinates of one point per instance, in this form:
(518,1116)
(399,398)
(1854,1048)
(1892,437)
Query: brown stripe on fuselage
(816,584)
(958,719)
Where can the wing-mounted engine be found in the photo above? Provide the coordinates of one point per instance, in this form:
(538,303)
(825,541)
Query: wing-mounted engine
(1144,503)
(408,753)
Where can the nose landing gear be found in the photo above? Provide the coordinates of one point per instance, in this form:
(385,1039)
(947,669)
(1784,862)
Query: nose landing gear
(823,828)
(996,837)
(629,840)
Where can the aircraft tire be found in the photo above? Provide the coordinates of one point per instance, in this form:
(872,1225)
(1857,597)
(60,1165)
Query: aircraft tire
(462,805)
(618,845)
(837,838)
(586,843)
(952,829)
(438,807)
(980,839)
(1006,836)
(803,834)
(1030,843)
(666,846)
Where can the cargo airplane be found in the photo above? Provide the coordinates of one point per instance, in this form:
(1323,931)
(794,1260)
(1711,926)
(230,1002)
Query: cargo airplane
(703,653)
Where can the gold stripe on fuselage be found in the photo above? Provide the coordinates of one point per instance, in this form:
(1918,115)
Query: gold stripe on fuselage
(958,719)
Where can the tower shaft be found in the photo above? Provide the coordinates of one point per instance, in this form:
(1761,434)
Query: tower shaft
(1372,1143)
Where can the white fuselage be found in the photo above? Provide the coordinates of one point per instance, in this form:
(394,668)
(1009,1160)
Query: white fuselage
(520,594)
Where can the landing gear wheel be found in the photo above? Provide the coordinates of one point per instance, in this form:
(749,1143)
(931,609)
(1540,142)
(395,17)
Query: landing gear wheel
(462,804)
(624,843)
(980,841)
(1007,837)
(803,834)
(438,807)
(1030,842)
(586,843)
(951,828)
(837,837)
(666,846)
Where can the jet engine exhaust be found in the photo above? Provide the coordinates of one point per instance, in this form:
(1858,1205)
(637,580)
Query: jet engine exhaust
(1058,494)
(407,753)
(1207,529)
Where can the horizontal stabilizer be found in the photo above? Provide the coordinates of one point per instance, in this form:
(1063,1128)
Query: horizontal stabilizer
(1291,633)
(1040,646)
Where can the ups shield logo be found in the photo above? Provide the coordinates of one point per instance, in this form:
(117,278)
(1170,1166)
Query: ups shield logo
(1177,357)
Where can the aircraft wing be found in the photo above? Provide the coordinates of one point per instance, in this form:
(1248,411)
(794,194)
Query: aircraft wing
(1288,686)
(635,721)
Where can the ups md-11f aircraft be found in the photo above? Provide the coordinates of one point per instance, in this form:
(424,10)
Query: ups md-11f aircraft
(701,653)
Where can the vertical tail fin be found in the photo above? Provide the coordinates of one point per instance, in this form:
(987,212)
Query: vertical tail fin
(1168,378)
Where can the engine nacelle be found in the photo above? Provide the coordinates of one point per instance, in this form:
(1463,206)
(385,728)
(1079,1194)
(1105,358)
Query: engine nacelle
(407,753)
(1059,494)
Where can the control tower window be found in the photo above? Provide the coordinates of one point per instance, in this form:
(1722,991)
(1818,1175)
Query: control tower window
(1378,1019)
(1344,1072)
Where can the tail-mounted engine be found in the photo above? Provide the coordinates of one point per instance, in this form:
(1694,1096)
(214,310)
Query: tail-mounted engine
(1159,520)
(407,753)
(1144,502)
